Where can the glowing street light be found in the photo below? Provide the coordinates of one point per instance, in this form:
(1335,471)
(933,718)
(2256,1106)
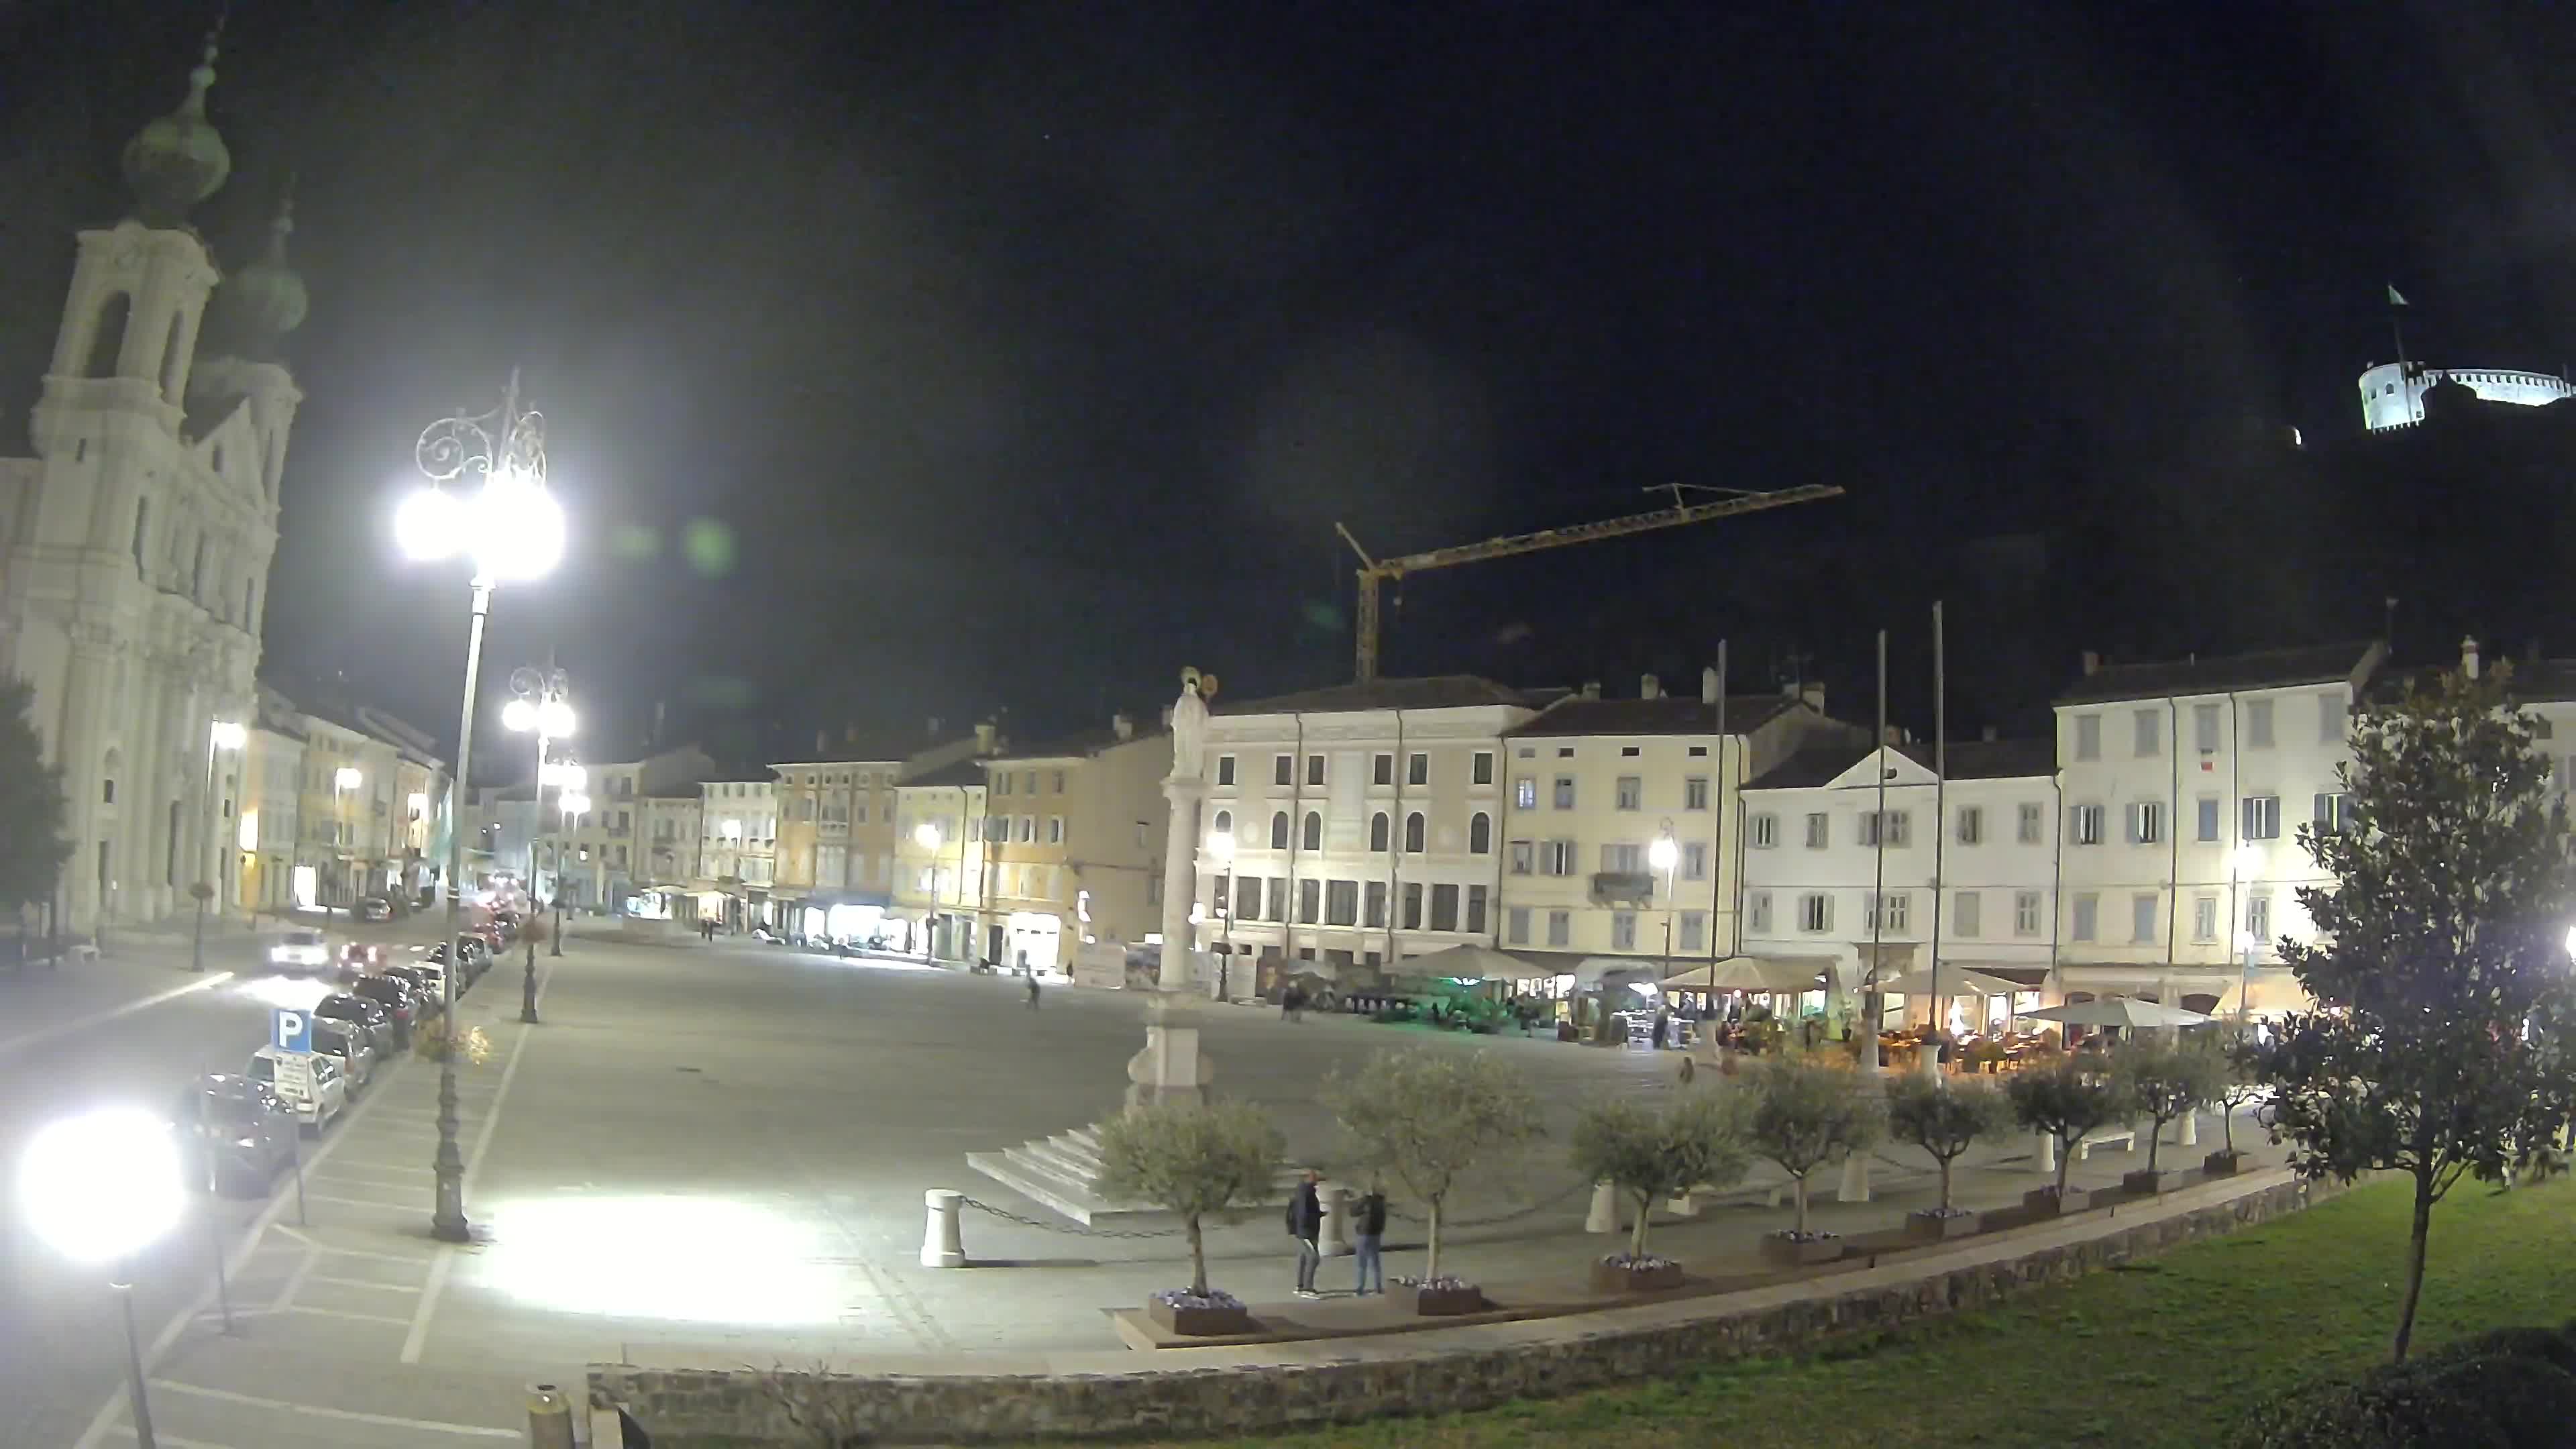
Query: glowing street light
(538,704)
(486,501)
(1220,848)
(1663,855)
(222,734)
(926,835)
(348,777)
(100,1188)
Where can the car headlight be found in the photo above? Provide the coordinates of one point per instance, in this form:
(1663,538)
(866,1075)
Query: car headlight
(245,1142)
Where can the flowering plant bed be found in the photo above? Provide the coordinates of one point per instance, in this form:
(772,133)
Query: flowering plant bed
(2222,1163)
(1212,1312)
(1938,1225)
(1791,1249)
(1438,1297)
(2048,1202)
(1619,1273)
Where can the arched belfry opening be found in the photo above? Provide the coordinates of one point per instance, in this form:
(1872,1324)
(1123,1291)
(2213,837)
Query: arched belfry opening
(107,340)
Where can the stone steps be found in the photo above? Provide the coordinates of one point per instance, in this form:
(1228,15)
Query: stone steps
(1062,1174)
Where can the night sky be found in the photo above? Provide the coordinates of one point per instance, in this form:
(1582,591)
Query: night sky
(912,360)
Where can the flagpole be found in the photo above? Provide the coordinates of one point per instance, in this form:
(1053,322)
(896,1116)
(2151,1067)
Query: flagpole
(1940,819)
(2397,329)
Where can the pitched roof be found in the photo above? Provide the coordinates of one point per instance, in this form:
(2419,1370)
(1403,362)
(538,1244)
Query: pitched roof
(2218,674)
(1966,759)
(1444,691)
(1081,746)
(1668,715)
(968,771)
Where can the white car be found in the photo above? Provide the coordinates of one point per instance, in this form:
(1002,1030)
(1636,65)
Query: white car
(300,951)
(312,1086)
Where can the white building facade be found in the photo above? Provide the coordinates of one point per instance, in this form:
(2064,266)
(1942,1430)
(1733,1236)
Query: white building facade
(2183,786)
(135,545)
(737,848)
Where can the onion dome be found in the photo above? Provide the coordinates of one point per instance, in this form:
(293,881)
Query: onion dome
(256,307)
(177,160)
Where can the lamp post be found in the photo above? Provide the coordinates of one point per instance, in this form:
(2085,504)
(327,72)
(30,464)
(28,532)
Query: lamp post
(1220,848)
(486,500)
(99,1188)
(538,705)
(1664,855)
(344,780)
(220,735)
(926,835)
(570,804)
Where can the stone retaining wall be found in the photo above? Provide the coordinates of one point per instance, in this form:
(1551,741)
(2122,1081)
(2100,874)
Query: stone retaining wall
(1209,1391)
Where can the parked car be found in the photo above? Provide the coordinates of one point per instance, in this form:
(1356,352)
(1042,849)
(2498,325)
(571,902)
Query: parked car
(352,1045)
(299,952)
(375,908)
(360,958)
(426,973)
(234,1134)
(399,999)
(476,960)
(324,1095)
(382,1032)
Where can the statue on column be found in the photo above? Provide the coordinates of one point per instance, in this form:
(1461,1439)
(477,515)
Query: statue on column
(1189,725)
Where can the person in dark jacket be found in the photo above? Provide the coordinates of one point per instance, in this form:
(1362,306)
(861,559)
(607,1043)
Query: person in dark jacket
(1368,1227)
(1306,1225)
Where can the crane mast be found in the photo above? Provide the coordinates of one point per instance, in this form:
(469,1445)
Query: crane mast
(1376,571)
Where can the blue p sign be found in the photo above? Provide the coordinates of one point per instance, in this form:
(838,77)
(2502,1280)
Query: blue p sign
(290,1030)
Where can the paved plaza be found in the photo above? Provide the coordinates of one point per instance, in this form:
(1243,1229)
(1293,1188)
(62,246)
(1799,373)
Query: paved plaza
(723,1149)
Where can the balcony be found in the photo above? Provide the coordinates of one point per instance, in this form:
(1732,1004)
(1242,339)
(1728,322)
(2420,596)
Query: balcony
(1629,887)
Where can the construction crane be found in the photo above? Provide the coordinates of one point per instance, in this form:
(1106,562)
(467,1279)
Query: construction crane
(1375,571)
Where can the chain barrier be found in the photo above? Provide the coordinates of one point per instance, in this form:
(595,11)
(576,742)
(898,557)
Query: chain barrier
(1008,1216)
(1542,1205)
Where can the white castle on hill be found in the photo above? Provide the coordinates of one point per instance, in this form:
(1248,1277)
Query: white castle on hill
(2392,393)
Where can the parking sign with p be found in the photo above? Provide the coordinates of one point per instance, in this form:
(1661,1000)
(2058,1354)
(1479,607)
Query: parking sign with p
(290,1030)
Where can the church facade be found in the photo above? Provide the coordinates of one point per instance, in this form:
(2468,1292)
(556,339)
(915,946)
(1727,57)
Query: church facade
(135,545)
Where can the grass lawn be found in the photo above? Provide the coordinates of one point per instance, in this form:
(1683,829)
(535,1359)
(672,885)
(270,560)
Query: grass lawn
(2157,1354)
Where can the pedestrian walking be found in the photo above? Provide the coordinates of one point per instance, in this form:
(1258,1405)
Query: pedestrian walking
(1370,1229)
(1033,991)
(1306,1225)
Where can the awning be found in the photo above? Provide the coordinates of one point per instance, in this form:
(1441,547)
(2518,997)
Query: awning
(2117,1011)
(1592,971)
(1955,981)
(1470,962)
(1750,973)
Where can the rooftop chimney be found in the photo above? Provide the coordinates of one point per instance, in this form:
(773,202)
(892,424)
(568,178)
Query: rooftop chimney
(1123,726)
(1708,685)
(2469,656)
(984,737)
(1987,734)
(1895,735)
(934,726)
(822,741)
(1592,689)
(1649,687)
(1812,694)
(2092,661)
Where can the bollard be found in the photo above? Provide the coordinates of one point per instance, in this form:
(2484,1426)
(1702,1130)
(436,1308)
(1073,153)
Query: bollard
(2191,1129)
(940,1245)
(1603,1216)
(2046,1154)
(1684,1206)
(1855,1184)
(549,1418)
(1337,1220)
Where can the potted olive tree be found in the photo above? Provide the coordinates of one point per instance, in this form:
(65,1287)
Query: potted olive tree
(1945,1120)
(1806,1114)
(2063,1099)
(1650,1154)
(1426,1119)
(2162,1083)
(2239,1082)
(1197,1160)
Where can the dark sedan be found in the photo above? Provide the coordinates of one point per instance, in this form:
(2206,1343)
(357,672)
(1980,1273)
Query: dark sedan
(234,1133)
(401,1001)
(367,1016)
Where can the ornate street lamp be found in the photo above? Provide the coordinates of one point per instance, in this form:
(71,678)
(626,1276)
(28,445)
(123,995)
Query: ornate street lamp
(539,705)
(220,735)
(487,501)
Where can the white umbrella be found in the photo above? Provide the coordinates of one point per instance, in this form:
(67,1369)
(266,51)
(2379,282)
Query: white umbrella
(1747,973)
(1467,962)
(2117,1011)
(1955,981)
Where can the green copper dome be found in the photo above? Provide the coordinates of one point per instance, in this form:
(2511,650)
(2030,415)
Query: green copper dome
(257,306)
(177,160)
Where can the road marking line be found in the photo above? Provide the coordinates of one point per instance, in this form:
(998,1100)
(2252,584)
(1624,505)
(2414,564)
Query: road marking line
(415,1340)
(364,1283)
(173,1440)
(104,1421)
(351,1179)
(375,1166)
(439,1426)
(414,1258)
(343,1313)
(294,1281)
(368,1202)
(206,983)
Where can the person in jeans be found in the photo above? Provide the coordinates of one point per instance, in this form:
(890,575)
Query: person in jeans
(1368,1226)
(1306,1225)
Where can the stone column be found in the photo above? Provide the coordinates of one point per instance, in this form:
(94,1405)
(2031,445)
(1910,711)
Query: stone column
(81,753)
(1171,1067)
(1337,1201)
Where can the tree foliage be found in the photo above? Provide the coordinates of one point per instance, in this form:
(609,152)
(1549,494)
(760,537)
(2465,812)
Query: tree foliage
(1194,1159)
(1651,1153)
(1944,1120)
(1806,1114)
(33,847)
(2439,965)
(2065,1098)
(1427,1118)
(2163,1082)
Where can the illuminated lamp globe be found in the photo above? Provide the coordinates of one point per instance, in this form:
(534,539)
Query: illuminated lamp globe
(348,778)
(103,1185)
(430,525)
(576,803)
(1663,853)
(1220,845)
(518,714)
(926,835)
(554,718)
(229,735)
(2571,942)
(518,529)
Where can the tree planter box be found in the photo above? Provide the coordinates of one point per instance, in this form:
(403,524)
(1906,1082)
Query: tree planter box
(2043,1202)
(1437,1302)
(1800,1252)
(1199,1322)
(2222,1163)
(2161,1180)
(1611,1278)
(1933,1228)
